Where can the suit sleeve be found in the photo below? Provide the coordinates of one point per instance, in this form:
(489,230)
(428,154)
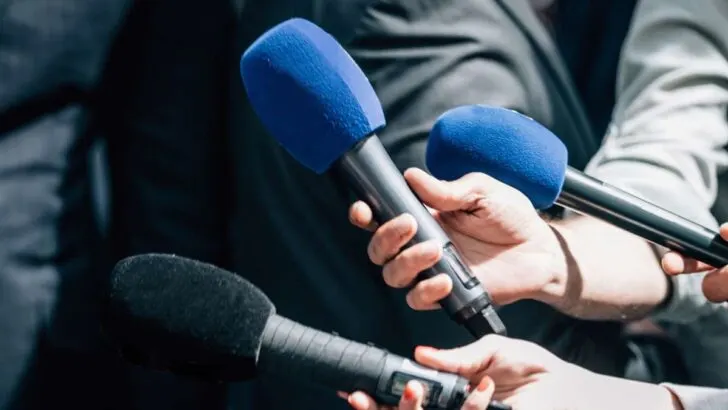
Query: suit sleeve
(52,54)
(425,57)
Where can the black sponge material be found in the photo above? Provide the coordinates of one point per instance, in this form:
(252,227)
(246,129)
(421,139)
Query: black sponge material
(186,316)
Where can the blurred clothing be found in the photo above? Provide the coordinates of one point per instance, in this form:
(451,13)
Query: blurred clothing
(666,143)
(52,54)
(700,398)
(164,101)
(589,35)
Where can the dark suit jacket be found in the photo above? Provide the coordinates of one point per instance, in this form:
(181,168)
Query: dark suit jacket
(52,54)
(194,172)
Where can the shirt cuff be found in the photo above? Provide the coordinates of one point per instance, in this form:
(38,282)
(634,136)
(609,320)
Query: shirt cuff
(699,398)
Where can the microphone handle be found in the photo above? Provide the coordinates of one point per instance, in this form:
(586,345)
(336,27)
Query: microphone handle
(292,349)
(375,179)
(592,197)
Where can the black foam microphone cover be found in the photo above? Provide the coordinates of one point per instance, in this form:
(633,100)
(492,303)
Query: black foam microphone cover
(186,316)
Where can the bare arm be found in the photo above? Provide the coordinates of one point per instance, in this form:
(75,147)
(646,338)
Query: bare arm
(665,144)
(610,274)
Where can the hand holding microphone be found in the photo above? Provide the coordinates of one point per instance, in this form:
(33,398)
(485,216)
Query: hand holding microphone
(483,217)
(191,318)
(319,105)
(500,235)
(527,377)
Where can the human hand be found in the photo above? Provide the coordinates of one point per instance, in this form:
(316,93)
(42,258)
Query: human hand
(494,227)
(715,283)
(526,377)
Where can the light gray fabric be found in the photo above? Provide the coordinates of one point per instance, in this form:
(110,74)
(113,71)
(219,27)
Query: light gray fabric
(666,144)
(700,398)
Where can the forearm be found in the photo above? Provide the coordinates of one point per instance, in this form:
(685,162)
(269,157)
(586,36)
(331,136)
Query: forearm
(608,273)
(597,392)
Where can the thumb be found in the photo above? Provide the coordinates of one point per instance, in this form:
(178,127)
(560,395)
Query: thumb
(480,396)
(446,196)
(466,361)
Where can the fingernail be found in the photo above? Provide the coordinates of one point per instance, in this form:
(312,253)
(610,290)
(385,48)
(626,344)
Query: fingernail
(408,394)
(484,384)
(357,400)
(426,349)
(411,391)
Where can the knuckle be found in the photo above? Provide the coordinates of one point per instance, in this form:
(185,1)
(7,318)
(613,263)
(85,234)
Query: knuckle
(414,300)
(394,276)
(375,254)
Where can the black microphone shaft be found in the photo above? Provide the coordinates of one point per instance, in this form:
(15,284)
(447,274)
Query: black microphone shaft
(375,179)
(292,349)
(592,197)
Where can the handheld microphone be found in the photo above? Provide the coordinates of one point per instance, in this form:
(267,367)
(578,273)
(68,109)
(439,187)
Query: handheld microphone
(524,154)
(313,98)
(194,319)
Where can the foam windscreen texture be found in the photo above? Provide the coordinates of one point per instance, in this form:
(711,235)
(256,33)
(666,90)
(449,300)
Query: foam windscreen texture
(502,143)
(309,93)
(187,317)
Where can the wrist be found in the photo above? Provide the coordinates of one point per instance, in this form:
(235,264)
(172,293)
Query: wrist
(561,270)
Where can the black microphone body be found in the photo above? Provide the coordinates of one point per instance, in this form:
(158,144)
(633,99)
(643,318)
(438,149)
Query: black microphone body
(373,176)
(590,196)
(194,319)
(290,348)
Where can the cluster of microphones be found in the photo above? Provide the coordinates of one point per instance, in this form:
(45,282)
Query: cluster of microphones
(191,318)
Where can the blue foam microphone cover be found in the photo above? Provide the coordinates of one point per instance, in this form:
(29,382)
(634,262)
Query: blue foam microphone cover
(309,93)
(502,143)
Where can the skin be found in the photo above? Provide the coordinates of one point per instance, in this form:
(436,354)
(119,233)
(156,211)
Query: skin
(715,283)
(494,227)
(517,254)
(526,377)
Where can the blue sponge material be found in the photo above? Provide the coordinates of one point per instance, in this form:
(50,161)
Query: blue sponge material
(309,93)
(502,143)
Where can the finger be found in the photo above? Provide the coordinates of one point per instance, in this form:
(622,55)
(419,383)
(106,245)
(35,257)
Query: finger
(403,269)
(390,238)
(724,231)
(361,216)
(426,294)
(466,360)
(481,395)
(674,264)
(715,285)
(361,401)
(412,396)
(448,196)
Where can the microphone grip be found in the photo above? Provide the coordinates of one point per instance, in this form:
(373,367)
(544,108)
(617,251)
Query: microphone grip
(592,197)
(292,349)
(371,173)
